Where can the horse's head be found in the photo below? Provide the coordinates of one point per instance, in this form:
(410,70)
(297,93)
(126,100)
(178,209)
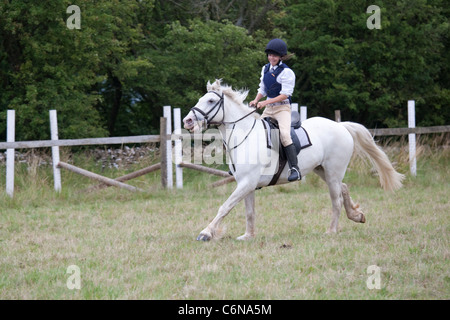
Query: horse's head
(213,109)
(208,110)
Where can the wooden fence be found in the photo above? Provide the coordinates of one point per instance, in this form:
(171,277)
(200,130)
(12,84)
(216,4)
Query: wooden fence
(166,164)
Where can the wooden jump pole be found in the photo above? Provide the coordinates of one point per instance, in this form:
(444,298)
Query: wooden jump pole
(139,173)
(129,176)
(97,177)
(197,167)
(216,172)
(222,182)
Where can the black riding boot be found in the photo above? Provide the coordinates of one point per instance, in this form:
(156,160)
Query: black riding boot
(294,171)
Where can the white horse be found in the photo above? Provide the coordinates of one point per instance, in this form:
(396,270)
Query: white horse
(332,147)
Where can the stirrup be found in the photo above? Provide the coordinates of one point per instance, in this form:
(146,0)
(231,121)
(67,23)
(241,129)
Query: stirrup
(298,173)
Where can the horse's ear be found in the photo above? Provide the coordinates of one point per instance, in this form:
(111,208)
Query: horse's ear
(216,86)
(244,94)
(208,86)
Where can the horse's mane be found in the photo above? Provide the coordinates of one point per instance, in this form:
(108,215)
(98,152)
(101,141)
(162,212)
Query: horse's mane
(237,96)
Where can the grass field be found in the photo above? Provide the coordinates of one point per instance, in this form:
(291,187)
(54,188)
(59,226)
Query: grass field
(142,246)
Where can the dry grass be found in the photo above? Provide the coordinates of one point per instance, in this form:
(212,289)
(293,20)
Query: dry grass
(142,246)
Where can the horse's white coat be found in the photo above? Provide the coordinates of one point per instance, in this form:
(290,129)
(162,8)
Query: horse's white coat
(332,148)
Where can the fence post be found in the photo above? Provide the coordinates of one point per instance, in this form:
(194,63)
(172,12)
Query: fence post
(178,148)
(412,137)
(303,113)
(303,116)
(55,151)
(168,116)
(294,107)
(337,115)
(10,153)
(163,149)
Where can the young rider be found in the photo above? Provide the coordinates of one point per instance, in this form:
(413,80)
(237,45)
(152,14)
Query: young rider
(277,83)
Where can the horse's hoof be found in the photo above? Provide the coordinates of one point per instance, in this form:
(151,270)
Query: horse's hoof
(363,219)
(245,237)
(203,237)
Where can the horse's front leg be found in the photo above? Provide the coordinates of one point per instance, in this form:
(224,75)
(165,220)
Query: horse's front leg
(250,217)
(211,230)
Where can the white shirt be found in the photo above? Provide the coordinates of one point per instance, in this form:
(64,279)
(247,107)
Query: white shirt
(286,78)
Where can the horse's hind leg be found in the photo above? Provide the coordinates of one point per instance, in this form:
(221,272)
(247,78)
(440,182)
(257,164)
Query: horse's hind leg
(335,189)
(336,202)
(352,209)
(250,217)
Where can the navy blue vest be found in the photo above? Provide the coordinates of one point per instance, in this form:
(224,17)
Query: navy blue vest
(273,88)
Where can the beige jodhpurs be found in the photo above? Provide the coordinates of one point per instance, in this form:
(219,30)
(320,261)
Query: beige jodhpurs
(282,114)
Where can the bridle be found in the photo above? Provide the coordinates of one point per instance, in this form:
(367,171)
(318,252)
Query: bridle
(218,106)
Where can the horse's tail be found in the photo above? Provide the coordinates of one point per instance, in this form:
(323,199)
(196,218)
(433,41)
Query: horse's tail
(364,144)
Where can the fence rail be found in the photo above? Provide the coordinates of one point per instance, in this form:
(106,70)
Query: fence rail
(156,138)
(405,131)
(78,142)
(165,138)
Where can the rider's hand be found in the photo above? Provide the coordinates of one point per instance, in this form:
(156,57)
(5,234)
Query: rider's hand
(261,104)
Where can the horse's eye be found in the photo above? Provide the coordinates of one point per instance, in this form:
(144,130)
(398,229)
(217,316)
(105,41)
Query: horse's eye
(211,101)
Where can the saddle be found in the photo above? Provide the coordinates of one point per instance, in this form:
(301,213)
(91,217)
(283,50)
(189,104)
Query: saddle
(271,124)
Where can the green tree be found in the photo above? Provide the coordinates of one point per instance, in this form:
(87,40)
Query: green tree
(130,58)
(44,65)
(83,73)
(370,74)
(118,27)
(187,57)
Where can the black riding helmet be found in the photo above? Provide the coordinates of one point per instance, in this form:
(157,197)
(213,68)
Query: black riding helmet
(276,46)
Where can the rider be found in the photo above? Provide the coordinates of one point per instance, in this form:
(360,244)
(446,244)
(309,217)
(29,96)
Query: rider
(277,83)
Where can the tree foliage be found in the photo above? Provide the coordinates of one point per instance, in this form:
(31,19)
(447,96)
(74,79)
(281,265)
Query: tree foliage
(130,58)
(370,74)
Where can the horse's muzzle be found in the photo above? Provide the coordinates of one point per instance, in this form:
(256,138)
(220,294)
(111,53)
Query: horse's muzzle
(188,123)
(191,123)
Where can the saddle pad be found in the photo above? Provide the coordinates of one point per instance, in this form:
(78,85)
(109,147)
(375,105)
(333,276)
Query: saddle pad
(300,138)
(303,137)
